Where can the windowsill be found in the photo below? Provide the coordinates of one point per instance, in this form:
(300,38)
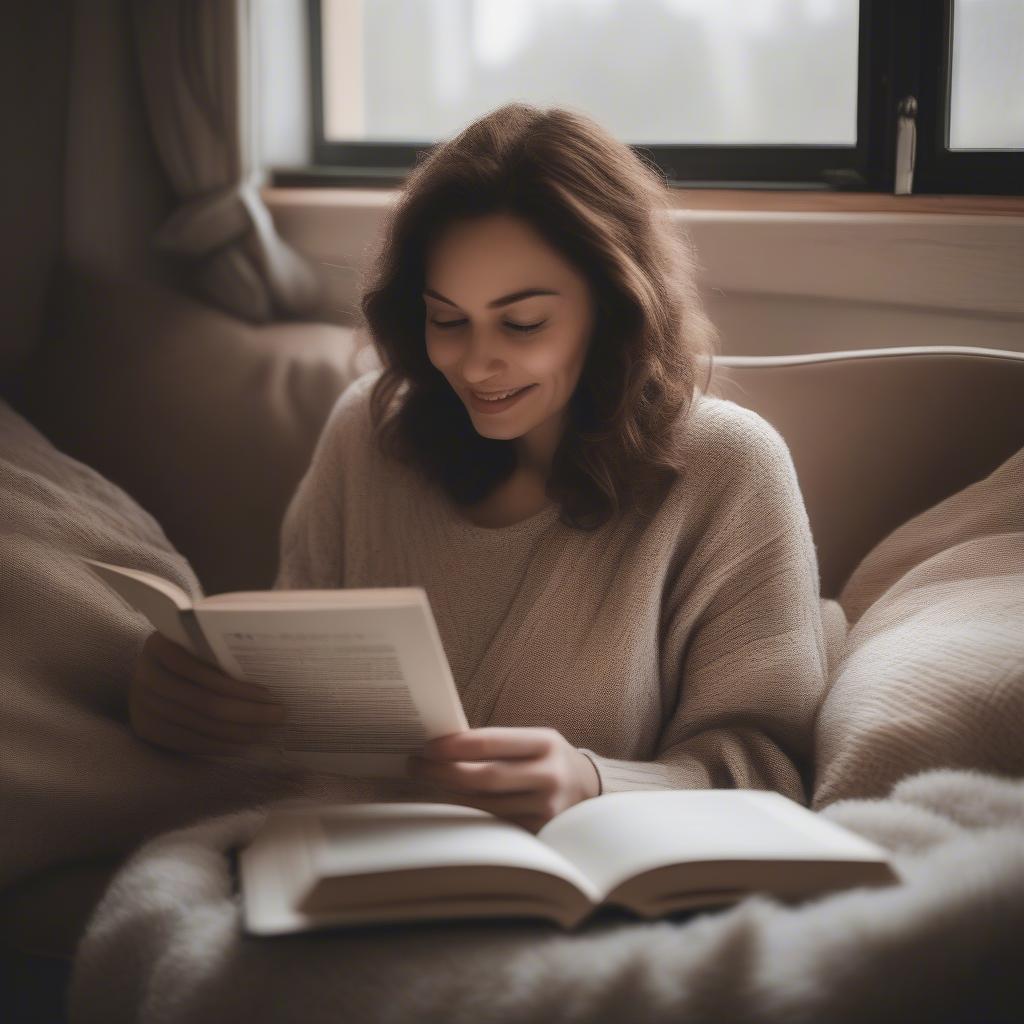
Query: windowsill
(768,200)
(910,251)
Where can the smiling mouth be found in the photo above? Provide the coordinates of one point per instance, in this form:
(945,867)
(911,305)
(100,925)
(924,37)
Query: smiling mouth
(497,396)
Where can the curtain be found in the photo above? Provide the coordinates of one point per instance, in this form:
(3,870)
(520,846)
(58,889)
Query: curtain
(193,58)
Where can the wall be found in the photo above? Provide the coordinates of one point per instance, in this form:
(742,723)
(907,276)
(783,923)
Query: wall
(776,281)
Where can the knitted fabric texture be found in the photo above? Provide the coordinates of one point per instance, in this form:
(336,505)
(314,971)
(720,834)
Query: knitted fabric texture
(681,650)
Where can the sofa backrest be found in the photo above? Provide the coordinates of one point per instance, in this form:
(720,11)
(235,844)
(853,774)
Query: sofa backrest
(879,435)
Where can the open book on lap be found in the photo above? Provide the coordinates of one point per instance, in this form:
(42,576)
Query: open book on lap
(362,672)
(649,853)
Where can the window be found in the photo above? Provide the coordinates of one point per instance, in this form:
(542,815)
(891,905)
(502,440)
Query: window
(972,84)
(729,93)
(986,96)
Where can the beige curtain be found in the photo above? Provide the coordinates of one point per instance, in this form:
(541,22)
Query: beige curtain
(193,59)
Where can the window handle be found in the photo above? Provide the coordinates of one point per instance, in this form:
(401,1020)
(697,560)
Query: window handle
(906,145)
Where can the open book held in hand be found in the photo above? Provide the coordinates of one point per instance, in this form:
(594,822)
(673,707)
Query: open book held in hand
(362,673)
(650,853)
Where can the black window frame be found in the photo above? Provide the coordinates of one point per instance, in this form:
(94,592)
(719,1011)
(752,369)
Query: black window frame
(940,169)
(904,49)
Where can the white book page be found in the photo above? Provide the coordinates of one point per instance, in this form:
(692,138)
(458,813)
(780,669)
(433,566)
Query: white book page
(374,838)
(363,687)
(296,848)
(353,597)
(614,837)
(167,607)
(274,869)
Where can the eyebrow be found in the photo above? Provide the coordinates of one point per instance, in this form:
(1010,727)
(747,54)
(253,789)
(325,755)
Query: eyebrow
(503,301)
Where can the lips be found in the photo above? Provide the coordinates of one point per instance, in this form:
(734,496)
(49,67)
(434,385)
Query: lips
(497,405)
(495,395)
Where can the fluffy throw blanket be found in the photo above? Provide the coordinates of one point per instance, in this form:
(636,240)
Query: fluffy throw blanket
(164,946)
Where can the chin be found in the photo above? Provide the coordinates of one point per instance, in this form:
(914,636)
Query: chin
(494,431)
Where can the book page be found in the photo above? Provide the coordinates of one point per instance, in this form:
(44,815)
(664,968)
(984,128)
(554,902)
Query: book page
(373,838)
(364,863)
(167,607)
(618,836)
(363,687)
(355,597)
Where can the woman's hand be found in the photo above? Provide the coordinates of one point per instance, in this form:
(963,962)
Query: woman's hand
(525,775)
(178,702)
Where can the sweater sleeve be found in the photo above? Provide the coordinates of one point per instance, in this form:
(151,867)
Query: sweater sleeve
(743,635)
(311,535)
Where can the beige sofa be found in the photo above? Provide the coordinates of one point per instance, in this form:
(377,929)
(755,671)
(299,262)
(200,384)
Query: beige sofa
(877,436)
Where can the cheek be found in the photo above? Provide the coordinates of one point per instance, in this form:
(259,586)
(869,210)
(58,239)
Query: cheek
(442,352)
(559,356)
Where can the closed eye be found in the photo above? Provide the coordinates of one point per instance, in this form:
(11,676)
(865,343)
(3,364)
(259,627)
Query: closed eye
(521,328)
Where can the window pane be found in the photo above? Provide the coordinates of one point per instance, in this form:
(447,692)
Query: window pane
(986,101)
(720,72)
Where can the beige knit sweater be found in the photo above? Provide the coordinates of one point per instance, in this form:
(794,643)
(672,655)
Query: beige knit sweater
(685,650)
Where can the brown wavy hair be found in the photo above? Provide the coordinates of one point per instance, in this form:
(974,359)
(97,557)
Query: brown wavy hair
(606,210)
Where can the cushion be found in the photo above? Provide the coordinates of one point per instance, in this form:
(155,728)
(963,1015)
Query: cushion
(206,421)
(879,436)
(76,784)
(78,788)
(932,674)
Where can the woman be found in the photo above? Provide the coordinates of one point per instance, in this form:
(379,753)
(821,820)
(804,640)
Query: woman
(620,566)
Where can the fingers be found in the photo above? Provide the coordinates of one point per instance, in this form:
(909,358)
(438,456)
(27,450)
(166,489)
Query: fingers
(523,775)
(178,660)
(531,822)
(484,777)
(170,735)
(494,742)
(207,703)
(201,712)
(530,811)
(202,725)
(513,805)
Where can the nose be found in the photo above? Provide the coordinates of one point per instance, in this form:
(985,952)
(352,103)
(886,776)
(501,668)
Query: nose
(482,357)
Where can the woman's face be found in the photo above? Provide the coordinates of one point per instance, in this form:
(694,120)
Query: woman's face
(505,311)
